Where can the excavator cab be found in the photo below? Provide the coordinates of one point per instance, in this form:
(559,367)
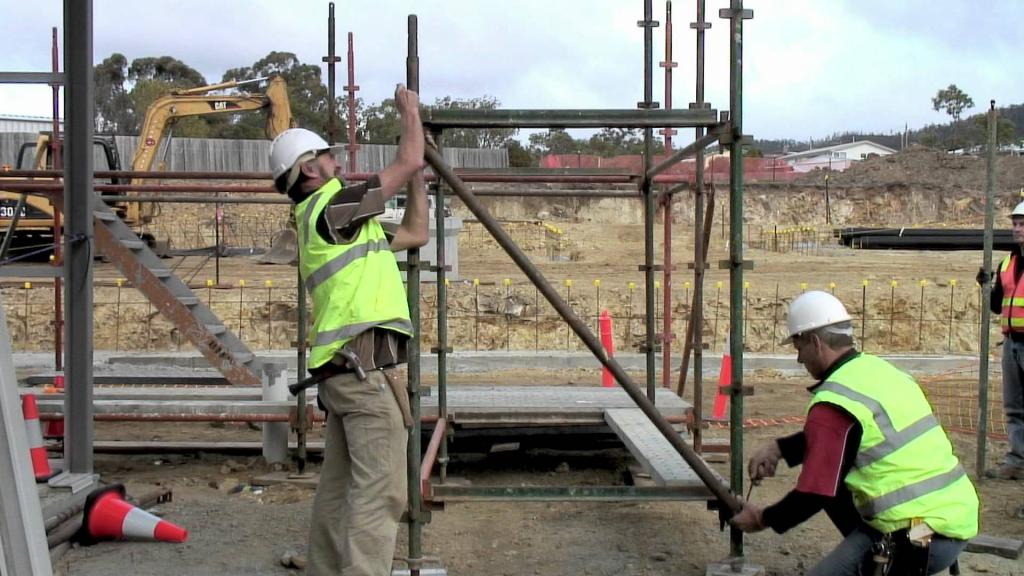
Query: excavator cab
(32,229)
(34,223)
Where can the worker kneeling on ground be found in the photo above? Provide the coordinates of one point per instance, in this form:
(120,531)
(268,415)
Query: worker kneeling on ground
(874,458)
(360,332)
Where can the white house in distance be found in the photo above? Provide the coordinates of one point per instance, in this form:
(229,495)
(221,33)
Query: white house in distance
(838,157)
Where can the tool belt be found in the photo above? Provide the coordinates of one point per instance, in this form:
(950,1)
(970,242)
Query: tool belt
(397,385)
(897,555)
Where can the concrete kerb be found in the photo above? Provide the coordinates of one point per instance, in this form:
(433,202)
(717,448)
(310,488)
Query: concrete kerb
(497,361)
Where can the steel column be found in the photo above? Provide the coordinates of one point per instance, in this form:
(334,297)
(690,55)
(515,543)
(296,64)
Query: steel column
(78,198)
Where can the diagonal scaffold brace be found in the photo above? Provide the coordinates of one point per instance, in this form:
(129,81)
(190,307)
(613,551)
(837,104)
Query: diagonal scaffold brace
(443,170)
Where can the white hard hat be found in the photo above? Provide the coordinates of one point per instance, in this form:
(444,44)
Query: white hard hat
(1018,211)
(812,310)
(292,145)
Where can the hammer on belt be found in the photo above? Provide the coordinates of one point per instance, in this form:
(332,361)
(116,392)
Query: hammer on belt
(351,360)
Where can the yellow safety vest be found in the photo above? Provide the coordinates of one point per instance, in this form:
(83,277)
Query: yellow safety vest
(905,467)
(354,286)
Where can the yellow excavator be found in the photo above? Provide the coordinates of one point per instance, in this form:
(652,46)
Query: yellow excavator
(28,219)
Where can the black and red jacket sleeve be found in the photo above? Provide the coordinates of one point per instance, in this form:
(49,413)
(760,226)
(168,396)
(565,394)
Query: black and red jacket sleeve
(826,447)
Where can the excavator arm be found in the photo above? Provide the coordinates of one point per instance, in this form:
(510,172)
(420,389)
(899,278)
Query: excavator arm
(198,102)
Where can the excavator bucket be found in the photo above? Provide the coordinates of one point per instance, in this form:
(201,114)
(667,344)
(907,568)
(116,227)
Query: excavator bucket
(279,112)
(284,248)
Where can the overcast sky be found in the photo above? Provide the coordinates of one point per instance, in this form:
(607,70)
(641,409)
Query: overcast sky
(812,68)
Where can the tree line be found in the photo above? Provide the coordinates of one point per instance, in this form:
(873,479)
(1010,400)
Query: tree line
(961,133)
(125,89)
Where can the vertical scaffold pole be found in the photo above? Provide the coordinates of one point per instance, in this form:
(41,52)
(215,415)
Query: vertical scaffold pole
(986,294)
(442,316)
(648,24)
(412,275)
(736,14)
(667,200)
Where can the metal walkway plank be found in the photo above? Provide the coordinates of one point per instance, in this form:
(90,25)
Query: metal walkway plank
(650,448)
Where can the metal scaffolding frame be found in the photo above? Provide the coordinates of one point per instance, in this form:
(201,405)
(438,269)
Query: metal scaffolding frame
(727,130)
(709,125)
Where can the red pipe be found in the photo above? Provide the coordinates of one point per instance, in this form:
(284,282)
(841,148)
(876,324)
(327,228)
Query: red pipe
(430,456)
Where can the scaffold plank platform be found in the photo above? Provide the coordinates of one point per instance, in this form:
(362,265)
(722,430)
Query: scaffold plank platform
(647,444)
(469,406)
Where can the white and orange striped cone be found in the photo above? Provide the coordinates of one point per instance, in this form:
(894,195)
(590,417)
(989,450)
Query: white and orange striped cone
(108,516)
(36,448)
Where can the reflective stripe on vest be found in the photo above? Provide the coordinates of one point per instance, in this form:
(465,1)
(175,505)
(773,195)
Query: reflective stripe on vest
(335,265)
(893,440)
(354,286)
(1012,317)
(905,467)
(893,499)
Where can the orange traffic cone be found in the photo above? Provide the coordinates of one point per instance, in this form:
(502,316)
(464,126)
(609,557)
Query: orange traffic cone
(605,324)
(55,428)
(108,516)
(30,412)
(724,382)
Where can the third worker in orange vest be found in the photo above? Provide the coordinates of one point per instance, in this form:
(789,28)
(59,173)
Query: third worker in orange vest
(1008,300)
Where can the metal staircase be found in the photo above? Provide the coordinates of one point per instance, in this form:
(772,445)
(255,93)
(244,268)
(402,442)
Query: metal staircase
(173,298)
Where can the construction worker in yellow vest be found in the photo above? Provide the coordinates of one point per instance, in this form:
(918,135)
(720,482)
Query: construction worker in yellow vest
(361,326)
(874,458)
(1008,301)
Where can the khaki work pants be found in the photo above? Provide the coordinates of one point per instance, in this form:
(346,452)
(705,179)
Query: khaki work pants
(362,491)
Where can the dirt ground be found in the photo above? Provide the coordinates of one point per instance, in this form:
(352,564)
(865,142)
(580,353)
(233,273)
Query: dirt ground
(236,529)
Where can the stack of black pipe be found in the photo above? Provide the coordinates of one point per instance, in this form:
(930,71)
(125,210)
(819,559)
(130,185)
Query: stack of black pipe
(936,239)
